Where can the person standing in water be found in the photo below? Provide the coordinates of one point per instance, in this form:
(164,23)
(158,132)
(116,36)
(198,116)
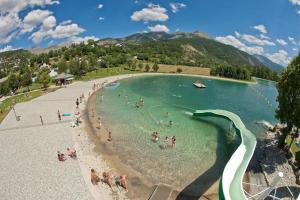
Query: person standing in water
(109,136)
(174,142)
(166,142)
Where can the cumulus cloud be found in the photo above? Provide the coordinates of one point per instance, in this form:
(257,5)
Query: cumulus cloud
(282,42)
(280,57)
(295,2)
(18,5)
(262,36)
(295,49)
(254,40)
(176,6)
(50,30)
(261,28)
(9,24)
(101,18)
(77,40)
(33,19)
(233,41)
(100,6)
(150,13)
(292,40)
(7,48)
(158,28)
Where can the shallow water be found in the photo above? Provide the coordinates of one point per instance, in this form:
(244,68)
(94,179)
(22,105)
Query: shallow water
(203,146)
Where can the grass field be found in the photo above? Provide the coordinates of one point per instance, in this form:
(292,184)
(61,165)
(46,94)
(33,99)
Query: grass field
(104,72)
(185,69)
(7,104)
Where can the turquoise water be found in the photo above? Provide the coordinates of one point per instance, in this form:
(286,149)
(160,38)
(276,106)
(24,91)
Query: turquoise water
(203,146)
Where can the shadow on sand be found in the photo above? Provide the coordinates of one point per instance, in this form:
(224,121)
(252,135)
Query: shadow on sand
(225,149)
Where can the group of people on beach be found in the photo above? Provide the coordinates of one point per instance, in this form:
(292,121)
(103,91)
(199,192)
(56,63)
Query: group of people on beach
(109,179)
(71,152)
(155,138)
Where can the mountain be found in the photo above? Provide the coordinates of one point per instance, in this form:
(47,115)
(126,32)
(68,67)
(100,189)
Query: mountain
(268,63)
(196,49)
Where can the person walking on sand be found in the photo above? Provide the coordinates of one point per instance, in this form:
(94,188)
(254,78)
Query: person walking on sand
(77,103)
(42,121)
(99,123)
(58,115)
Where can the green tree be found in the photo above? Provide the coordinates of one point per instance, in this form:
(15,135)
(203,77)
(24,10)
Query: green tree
(44,79)
(13,82)
(155,67)
(179,70)
(4,88)
(62,66)
(26,79)
(141,66)
(147,68)
(289,97)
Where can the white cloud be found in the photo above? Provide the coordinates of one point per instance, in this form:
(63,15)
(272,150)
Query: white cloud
(295,2)
(237,34)
(261,28)
(292,40)
(9,24)
(101,18)
(282,42)
(66,22)
(77,40)
(176,6)
(100,6)
(7,48)
(254,40)
(151,13)
(18,5)
(262,36)
(295,49)
(33,19)
(233,41)
(49,23)
(280,57)
(158,28)
(59,32)
(298,12)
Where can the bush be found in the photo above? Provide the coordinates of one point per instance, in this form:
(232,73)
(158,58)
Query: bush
(179,70)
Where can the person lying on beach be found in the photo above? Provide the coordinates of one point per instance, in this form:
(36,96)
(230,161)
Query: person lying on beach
(107,178)
(123,182)
(72,153)
(94,177)
(61,157)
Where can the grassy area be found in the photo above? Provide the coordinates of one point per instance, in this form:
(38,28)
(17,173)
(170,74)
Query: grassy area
(34,86)
(6,105)
(104,72)
(185,69)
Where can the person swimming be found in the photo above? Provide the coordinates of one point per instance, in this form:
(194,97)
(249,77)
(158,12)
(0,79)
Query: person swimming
(155,136)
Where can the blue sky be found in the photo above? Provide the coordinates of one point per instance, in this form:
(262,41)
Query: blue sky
(266,27)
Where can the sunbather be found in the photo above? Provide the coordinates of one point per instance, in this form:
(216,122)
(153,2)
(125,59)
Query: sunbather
(94,177)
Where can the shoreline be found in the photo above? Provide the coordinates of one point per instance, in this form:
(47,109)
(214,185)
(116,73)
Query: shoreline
(139,187)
